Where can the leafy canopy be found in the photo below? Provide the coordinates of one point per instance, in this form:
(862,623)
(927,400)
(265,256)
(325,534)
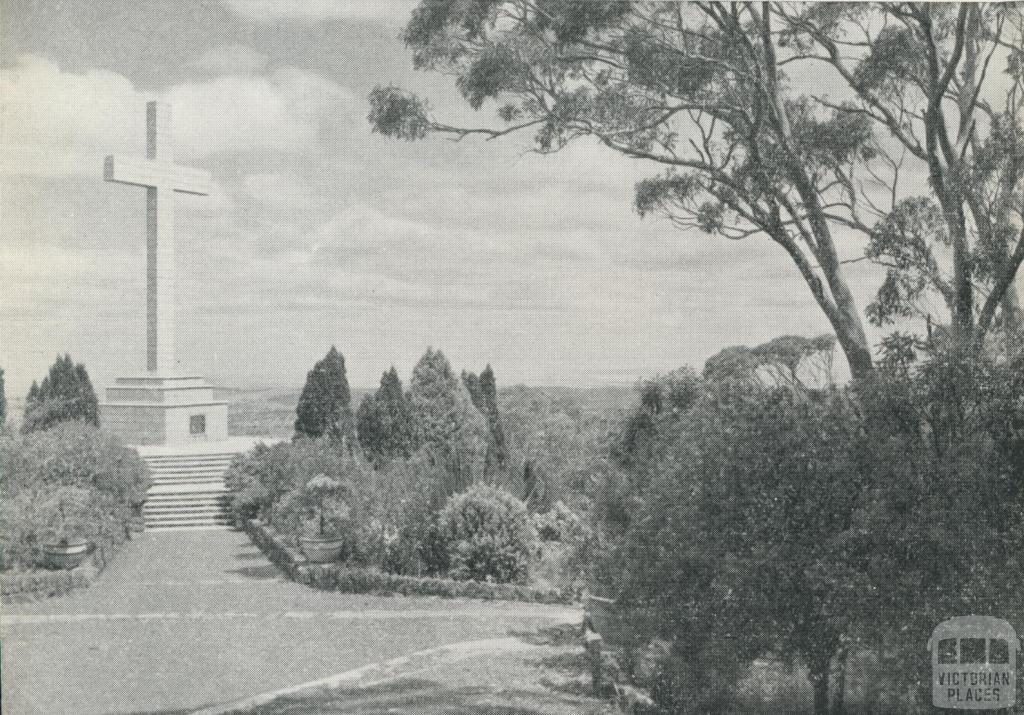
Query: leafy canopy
(715,95)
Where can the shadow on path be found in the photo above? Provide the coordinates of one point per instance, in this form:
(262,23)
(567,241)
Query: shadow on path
(422,697)
(262,572)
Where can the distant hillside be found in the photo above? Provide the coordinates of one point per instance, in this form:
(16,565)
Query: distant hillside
(270,412)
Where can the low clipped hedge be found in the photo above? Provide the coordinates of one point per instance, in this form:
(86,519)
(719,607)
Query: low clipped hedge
(348,579)
(18,586)
(32,585)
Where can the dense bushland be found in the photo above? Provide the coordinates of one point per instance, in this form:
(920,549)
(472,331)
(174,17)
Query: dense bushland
(70,481)
(817,524)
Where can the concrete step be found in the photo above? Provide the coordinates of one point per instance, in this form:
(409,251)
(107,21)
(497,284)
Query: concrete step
(219,471)
(179,463)
(207,498)
(217,486)
(211,508)
(178,466)
(186,523)
(178,514)
(188,492)
(189,480)
(206,456)
(191,527)
(202,501)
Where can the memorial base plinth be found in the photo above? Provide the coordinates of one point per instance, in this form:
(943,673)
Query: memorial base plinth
(164,410)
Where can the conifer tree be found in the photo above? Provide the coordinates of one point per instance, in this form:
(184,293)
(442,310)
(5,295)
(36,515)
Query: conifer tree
(324,407)
(489,398)
(65,394)
(384,422)
(472,383)
(484,393)
(447,425)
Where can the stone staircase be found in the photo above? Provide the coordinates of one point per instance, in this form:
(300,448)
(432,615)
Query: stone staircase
(188,491)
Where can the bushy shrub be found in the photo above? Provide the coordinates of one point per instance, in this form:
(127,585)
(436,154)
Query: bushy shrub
(252,478)
(566,545)
(400,532)
(559,523)
(487,535)
(70,481)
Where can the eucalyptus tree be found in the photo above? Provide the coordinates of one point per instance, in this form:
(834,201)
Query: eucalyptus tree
(717,95)
(946,84)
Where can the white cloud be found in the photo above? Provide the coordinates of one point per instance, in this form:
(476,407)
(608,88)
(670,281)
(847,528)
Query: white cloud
(57,123)
(289,111)
(60,123)
(317,10)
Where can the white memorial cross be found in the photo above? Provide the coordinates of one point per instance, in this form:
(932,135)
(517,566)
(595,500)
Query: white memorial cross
(161,177)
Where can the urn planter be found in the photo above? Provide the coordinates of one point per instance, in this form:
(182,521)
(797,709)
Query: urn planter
(321,550)
(66,555)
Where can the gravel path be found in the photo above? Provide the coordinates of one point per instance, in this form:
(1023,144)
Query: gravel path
(184,620)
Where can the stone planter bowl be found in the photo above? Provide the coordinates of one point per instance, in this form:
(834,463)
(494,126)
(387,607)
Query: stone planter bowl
(321,551)
(66,556)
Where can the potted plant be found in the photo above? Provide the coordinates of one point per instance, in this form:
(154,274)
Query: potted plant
(69,518)
(323,541)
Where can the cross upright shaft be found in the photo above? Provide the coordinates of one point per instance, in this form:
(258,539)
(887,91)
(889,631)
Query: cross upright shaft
(161,177)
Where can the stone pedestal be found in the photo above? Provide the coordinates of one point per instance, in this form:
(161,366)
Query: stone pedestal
(159,409)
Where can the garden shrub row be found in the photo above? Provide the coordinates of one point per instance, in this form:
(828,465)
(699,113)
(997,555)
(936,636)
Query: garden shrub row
(70,482)
(398,519)
(349,579)
(30,585)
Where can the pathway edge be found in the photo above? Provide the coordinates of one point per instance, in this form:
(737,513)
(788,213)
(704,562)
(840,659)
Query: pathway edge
(378,673)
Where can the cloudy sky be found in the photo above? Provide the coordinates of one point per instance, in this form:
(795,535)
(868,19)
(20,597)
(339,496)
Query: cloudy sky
(319,232)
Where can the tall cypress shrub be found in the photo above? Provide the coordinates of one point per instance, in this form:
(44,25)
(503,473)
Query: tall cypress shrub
(483,391)
(447,425)
(384,422)
(66,394)
(324,407)
(489,397)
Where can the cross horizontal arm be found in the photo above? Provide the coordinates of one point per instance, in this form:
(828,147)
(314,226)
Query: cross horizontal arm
(143,172)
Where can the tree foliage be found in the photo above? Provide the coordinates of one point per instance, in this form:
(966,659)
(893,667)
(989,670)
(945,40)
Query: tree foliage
(483,391)
(447,425)
(66,394)
(816,522)
(384,422)
(558,446)
(3,399)
(707,92)
(324,406)
(789,360)
(946,84)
